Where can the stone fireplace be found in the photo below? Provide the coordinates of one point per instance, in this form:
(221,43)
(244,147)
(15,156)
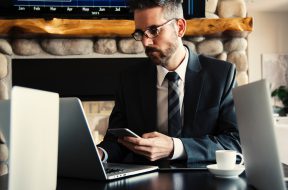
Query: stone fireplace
(223,44)
(232,49)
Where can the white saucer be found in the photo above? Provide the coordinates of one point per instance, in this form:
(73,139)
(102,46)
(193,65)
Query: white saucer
(213,168)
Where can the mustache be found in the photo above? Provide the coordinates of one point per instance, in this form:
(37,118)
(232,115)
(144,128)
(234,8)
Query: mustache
(151,49)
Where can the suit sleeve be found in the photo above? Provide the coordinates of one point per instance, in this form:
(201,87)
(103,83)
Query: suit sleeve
(117,119)
(224,136)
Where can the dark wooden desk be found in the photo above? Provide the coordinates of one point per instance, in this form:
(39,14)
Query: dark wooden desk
(182,180)
(179,180)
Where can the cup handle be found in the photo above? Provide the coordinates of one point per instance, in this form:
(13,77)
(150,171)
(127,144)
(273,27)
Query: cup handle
(242,158)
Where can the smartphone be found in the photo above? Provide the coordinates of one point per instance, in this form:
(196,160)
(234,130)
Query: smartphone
(122,132)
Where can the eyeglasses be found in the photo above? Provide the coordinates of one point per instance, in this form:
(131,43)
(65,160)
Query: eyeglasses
(151,32)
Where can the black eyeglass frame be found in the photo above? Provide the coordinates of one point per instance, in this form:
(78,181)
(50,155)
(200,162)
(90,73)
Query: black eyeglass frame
(139,34)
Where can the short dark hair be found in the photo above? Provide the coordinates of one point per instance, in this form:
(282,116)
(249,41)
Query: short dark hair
(172,8)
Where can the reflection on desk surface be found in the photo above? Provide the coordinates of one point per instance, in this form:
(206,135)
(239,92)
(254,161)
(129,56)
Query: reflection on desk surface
(181,180)
(163,166)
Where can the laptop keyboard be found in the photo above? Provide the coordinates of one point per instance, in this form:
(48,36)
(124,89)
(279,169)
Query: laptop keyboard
(113,170)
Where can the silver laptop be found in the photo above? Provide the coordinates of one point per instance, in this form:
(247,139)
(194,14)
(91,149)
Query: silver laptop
(29,122)
(256,126)
(78,155)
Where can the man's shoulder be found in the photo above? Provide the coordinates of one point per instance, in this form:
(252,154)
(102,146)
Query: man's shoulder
(211,61)
(213,65)
(215,69)
(207,62)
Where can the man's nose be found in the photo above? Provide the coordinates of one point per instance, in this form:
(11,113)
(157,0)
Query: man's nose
(146,41)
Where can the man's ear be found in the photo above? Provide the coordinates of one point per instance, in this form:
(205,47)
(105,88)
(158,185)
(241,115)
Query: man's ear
(181,23)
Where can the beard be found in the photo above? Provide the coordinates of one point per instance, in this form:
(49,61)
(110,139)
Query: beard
(161,57)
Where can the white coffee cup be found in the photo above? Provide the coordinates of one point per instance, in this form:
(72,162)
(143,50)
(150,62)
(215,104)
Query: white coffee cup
(226,159)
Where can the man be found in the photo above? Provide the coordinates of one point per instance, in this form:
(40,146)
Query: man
(190,122)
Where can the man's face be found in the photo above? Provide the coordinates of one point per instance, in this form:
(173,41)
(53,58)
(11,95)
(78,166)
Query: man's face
(161,48)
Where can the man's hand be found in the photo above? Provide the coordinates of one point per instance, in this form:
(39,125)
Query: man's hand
(152,145)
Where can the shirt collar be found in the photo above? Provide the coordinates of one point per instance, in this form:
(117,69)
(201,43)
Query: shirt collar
(181,70)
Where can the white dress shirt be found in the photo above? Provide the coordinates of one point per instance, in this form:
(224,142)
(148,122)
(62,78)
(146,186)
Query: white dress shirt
(162,103)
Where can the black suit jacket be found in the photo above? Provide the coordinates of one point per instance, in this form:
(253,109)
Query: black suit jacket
(209,115)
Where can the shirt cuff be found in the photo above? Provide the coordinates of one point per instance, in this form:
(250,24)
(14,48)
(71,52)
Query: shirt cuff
(104,160)
(179,151)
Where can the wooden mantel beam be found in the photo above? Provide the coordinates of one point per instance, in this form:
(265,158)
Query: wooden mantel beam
(112,28)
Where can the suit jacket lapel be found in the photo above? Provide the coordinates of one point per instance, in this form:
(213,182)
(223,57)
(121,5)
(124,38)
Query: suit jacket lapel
(194,80)
(149,97)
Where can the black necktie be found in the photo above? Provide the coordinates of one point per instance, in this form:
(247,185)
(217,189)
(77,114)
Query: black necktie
(174,119)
